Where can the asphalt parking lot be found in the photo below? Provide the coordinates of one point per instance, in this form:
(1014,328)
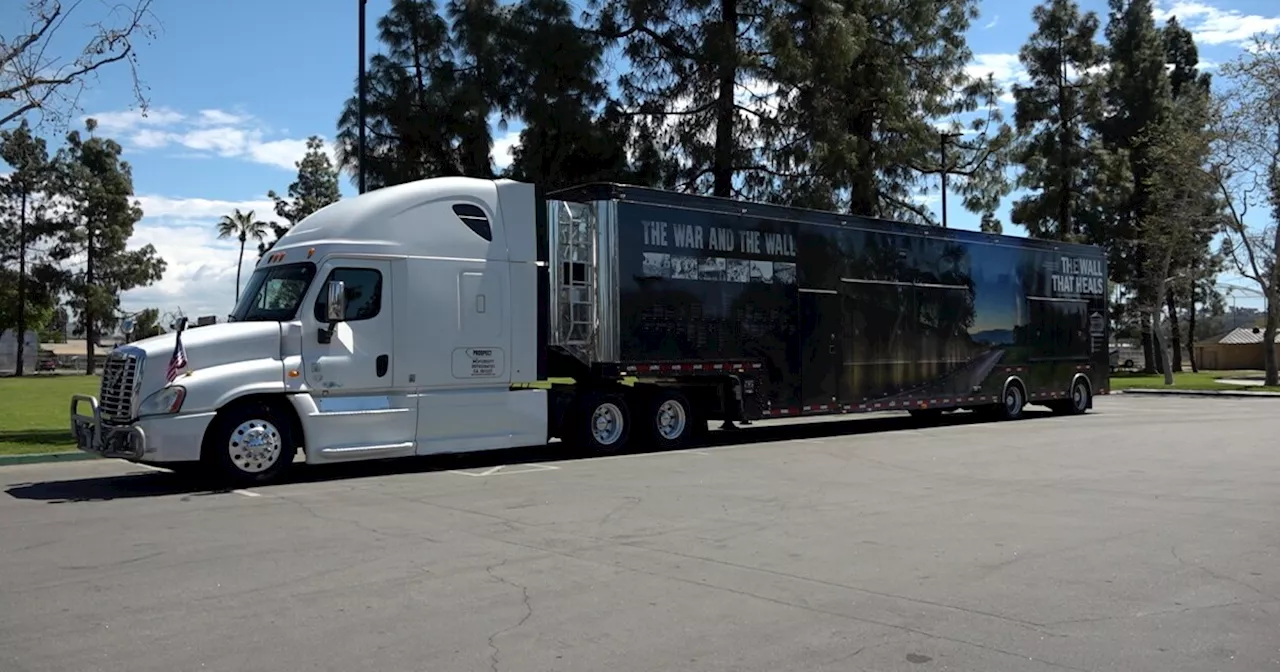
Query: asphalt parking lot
(1144,536)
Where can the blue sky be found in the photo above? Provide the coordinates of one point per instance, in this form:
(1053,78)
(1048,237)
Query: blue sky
(236,86)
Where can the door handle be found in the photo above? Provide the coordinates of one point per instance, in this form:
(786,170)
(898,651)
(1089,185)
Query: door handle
(383,362)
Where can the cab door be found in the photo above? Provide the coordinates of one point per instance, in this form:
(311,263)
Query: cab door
(350,369)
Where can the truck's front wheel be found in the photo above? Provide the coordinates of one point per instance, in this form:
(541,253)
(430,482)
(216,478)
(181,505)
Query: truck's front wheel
(250,444)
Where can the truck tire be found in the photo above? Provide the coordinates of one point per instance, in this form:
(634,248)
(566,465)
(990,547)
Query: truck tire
(672,421)
(600,423)
(249,444)
(1078,403)
(1012,402)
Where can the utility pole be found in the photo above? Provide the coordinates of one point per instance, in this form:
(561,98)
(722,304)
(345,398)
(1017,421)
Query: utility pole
(361,96)
(945,138)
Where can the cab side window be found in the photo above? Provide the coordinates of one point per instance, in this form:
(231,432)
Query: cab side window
(364,293)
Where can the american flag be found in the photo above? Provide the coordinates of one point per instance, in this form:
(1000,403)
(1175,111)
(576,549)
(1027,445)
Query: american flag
(178,361)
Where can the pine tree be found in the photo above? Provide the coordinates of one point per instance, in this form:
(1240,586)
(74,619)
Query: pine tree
(95,226)
(430,95)
(692,66)
(862,85)
(1189,90)
(1138,100)
(1051,115)
(479,55)
(24,220)
(1176,214)
(409,122)
(572,132)
(315,187)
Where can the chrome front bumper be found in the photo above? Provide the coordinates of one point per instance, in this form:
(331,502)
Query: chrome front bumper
(126,442)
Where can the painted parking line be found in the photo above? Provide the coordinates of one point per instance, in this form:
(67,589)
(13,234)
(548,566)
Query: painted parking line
(505,469)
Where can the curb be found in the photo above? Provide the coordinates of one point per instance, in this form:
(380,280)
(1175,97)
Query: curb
(38,458)
(1242,394)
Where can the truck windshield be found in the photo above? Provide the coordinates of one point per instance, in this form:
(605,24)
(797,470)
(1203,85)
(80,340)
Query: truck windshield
(273,293)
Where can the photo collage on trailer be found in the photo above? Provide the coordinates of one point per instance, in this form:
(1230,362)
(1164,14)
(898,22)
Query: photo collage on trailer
(717,269)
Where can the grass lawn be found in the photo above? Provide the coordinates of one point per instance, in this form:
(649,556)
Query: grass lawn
(34,415)
(1204,380)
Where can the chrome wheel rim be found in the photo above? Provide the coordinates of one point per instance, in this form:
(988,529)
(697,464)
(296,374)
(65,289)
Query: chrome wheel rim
(672,419)
(607,424)
(254,446)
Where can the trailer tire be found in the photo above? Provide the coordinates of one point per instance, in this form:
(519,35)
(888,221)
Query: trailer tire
(672,421)
(1013,401)
(249,444)
(600,423)
(1078,403)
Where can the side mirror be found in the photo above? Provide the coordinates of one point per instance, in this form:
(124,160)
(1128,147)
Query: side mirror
(336,306)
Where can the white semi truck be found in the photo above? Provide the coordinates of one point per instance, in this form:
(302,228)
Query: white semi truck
(456,315)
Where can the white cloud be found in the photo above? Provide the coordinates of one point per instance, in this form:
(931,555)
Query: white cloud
(1214,26)
(128,120)
(207,133)
(1005,69)
(161,207)
(200,278)
(995,21)
(201,272)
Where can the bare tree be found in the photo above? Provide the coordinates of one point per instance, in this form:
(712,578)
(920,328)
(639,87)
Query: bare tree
(36,77)
(1246,168)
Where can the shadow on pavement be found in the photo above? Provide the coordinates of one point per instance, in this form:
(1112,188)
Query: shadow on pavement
(159,484)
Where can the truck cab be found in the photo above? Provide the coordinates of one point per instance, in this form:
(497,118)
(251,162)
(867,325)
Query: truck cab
(400,322)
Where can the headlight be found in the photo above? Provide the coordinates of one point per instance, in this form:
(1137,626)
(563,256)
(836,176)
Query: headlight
(164,402)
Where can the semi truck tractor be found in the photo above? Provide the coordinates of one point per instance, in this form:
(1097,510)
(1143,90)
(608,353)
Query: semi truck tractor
(455,314)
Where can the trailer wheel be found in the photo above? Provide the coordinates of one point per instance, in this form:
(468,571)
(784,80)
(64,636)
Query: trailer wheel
(1013,402)
(602,423)
(1079,402)
(672,422)
(250,444)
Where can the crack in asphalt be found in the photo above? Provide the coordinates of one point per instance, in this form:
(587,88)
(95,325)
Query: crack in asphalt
(494,652)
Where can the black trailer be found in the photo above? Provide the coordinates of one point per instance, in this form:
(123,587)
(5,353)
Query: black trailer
(741,311)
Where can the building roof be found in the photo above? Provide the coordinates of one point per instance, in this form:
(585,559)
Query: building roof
(1243,336)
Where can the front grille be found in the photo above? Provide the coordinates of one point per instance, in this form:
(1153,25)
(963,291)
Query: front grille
(119,380)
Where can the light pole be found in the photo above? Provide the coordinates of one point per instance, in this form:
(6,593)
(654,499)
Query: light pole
(361,98)
(945,137)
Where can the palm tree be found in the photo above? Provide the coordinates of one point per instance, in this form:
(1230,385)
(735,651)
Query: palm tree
(243,226)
